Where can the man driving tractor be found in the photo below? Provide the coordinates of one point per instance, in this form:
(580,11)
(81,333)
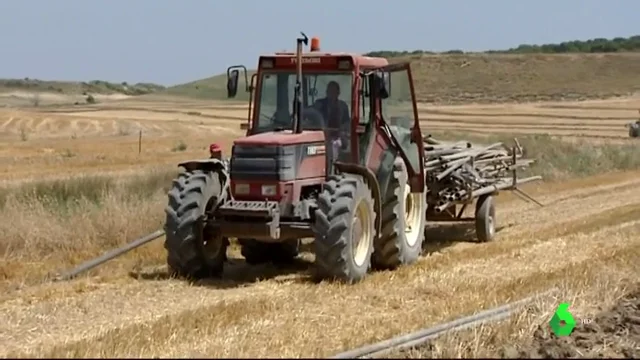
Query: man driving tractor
(337,118)
(335,111)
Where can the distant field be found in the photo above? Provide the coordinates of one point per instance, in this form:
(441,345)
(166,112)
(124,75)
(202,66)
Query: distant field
(74,88)
(37,142)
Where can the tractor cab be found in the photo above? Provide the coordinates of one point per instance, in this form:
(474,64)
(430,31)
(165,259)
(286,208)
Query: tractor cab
(309,110)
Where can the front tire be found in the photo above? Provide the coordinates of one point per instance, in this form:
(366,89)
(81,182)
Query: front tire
(403,223)
(344,229)
(194,250)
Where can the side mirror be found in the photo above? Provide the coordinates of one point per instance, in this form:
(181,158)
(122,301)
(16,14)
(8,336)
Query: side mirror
(232,83)
(233,76)
(244,126)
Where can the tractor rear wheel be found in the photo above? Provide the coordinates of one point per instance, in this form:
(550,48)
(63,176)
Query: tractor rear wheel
(344,229)
(194,250)
(258,252)
(403,222)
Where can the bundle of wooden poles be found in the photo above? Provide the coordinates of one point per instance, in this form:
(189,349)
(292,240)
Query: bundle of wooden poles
(459,172)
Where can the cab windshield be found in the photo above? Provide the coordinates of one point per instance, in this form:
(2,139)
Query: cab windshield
(325,104)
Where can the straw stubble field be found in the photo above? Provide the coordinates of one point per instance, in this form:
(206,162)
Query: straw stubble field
(75,185)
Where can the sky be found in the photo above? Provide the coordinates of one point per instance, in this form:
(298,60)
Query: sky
(176,41)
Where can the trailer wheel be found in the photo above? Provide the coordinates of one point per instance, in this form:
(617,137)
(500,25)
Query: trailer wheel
(485,218)
(258,252)
(194,250)
(344,229)
(403,222)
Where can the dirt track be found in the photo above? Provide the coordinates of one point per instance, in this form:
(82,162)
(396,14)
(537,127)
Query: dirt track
(590,119)
(105,137)
(115,315)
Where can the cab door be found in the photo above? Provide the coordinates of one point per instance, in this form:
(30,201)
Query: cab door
(398,120)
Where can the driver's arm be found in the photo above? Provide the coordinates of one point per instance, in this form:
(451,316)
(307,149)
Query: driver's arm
(345,121)
(345,114)
(318,105)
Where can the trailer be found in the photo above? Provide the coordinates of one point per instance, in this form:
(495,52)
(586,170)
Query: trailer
(634,129)
(459,174)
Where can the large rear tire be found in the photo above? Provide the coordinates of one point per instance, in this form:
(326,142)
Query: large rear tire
(344,229)
(403,223)
(194,250)
(257,252)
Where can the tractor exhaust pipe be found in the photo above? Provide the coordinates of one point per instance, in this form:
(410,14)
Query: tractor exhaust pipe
(297,99)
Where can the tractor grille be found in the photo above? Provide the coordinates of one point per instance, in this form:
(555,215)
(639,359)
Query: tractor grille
(268,163)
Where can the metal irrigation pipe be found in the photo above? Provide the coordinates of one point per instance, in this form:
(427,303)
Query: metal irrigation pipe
(88,265)
(421,336)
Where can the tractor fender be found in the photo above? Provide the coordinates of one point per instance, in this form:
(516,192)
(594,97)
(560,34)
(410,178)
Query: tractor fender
(211,164)
(205,164)
(371,180)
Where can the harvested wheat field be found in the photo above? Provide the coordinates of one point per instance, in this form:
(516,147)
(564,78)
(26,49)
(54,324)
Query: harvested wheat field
(611,329)
(76,181)
(584,240)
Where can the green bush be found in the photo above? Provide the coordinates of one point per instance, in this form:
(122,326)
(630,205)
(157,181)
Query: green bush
(599,45)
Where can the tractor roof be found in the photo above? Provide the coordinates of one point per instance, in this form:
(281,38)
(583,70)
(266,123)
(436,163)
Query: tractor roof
(358,60)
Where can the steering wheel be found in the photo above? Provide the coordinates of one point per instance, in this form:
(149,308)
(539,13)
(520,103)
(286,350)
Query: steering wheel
(316,120)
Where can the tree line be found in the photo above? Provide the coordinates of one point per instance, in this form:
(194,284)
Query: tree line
(599,45)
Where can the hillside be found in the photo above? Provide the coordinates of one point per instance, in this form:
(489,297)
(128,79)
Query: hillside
(573,70)
(214,87)
(489,78)
(77,88)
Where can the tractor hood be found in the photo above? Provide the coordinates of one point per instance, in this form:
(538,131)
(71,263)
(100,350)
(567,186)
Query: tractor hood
(285,137)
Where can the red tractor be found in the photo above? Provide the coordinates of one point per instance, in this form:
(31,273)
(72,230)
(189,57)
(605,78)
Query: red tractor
(345,170)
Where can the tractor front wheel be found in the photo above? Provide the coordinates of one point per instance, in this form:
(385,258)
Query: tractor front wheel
(344,229)
(403,222)
(194,250)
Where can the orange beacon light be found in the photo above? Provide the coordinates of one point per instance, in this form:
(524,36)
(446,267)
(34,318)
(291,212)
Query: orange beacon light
(315,44)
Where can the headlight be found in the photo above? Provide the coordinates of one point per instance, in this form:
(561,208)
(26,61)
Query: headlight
(242,189)
(269,190)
